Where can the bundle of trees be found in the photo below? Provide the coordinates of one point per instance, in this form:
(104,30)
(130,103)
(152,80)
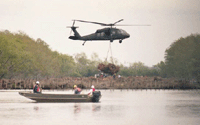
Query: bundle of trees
(109,69)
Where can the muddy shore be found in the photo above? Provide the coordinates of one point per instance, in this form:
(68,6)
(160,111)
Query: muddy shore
(101,83)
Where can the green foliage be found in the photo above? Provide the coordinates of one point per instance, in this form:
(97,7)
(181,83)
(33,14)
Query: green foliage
(138,69)
(21,56)
(24,57)
(13,57)
(161,69)
(183,58)
(87,67)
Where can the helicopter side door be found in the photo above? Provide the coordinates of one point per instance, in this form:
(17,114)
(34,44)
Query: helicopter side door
(103,34)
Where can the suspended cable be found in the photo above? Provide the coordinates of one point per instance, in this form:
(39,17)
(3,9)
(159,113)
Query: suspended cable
(109,50)
(111,54)
(107,54)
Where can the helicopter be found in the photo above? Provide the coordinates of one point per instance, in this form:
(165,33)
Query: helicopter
(108,33)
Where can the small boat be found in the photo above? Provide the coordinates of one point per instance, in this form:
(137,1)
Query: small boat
(38,97)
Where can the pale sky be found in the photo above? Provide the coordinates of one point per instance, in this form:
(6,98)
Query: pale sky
(47,19)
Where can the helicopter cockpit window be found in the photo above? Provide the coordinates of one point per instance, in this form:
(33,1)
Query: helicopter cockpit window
(119,32)
(122,31)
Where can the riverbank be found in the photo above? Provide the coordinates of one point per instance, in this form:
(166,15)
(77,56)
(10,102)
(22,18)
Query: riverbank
(101,83)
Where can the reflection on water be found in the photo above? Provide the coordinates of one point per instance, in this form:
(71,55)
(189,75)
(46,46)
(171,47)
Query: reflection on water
(36,108)
(186,105)
(184,109)
(77,108)
(96,108)
(116,107)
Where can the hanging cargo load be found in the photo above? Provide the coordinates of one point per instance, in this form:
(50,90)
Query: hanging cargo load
(109,69)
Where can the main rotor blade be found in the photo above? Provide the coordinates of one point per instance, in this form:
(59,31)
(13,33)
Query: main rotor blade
(102,24)
(114,24)
(133,25)
(73,23)
(118,21)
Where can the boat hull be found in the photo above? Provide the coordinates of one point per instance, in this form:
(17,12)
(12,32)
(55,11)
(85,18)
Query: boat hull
(59,97)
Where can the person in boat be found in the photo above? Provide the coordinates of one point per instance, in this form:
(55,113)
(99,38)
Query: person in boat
(36,88)
(91,90)
(77,90)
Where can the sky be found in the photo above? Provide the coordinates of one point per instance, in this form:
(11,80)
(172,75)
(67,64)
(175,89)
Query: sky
(48,19)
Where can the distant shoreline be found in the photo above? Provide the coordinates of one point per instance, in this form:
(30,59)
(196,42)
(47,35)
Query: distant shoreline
(101,83)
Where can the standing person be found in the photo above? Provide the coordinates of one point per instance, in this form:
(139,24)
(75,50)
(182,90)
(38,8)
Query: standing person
(77,90)
(36,88)
(91,90)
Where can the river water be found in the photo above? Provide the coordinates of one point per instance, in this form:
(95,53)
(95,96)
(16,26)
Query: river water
(126,107)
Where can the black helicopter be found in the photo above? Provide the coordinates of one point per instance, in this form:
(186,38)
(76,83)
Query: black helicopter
(102,34)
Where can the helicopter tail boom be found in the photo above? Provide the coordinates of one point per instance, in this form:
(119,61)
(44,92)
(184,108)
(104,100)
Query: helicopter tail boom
(76,34)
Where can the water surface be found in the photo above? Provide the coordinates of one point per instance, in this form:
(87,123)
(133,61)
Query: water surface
(126,107)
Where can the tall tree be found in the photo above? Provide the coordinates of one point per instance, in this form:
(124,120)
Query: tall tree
(182,58)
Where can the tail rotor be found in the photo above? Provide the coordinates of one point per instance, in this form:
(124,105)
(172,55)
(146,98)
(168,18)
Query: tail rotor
(72,27)
(76,35)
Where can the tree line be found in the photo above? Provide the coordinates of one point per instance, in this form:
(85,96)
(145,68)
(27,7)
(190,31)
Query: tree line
(182,59)
(24,57)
